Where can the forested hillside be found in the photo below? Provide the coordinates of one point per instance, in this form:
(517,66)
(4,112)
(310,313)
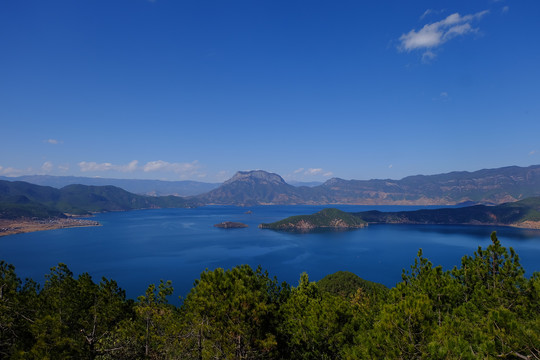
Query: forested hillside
(22,199)
(486,308)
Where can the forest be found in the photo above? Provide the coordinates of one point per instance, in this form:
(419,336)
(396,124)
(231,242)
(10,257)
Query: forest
(484,309)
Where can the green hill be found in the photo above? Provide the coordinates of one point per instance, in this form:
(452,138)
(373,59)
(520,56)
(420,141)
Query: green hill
(324,219)
(21,199)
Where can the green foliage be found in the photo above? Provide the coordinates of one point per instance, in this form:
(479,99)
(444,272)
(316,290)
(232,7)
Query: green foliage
(315,324)
(12,310)
(484,309)
(67,318)
(346,284)
(231,314)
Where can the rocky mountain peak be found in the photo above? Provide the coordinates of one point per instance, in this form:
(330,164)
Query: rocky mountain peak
(258,176)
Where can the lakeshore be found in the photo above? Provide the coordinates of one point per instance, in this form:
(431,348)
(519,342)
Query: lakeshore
(19,226)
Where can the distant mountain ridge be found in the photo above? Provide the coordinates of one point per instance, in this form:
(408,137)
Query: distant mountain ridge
(258,187)
(136,186)
(488,186)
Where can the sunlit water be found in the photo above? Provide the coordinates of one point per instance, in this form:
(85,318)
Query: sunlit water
(138,248)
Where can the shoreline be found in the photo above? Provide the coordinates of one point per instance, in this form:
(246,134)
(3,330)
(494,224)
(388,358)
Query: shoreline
(21,226)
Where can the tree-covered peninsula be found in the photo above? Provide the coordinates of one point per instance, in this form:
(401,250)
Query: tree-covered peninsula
(523,214)
(483,309)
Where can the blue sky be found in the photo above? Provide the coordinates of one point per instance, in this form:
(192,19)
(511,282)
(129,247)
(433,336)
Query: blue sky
(177,90)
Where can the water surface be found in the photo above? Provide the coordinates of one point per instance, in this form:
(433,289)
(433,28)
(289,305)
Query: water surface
(137,248)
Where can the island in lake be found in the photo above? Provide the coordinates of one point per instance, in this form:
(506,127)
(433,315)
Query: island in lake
(522,214)
(324,219)
(231,225)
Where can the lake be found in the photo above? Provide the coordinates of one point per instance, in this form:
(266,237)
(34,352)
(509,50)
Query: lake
(137,248)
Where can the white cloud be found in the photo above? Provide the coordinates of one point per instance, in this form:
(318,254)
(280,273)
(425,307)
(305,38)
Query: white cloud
(52,141)
(184,170)
(177,168)
(505,9)
(132,166)
(222,175)
(435,34)
(93,166)
(532,152)
(429,12)
(47,167)
(63,168)
(390,166)
(10,171)
(303,173)
(444,96)
(428,56)
(155,165)
(426,13)
(312,171)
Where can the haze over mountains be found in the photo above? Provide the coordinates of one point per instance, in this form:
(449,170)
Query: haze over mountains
(136,186)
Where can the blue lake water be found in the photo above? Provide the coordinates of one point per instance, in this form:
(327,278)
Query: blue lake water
(138,248)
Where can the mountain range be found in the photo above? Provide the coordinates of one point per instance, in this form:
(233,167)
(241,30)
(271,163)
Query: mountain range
(489,186)
(258,187)
(136,186)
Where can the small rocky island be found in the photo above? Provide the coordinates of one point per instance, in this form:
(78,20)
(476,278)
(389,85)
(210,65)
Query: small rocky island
(324,219)
(231,225)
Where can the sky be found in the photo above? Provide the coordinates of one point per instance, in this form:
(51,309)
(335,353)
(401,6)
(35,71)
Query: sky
(200,89)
